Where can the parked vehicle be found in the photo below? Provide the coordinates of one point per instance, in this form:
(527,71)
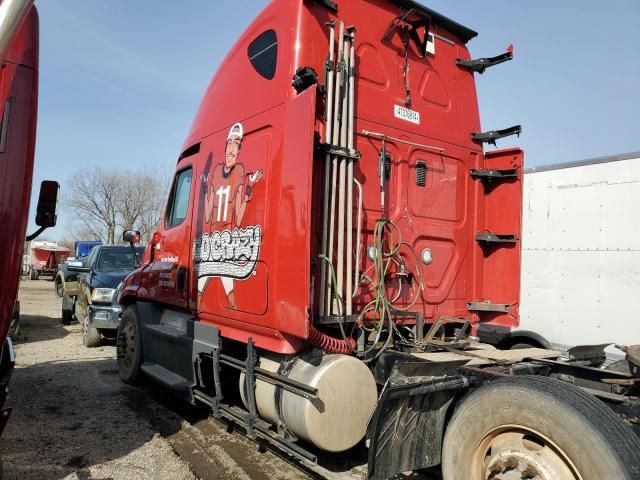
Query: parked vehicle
(66,287)
(83,247)
(334,238)
(66,281)
(45,258)
(96,306)
(18,115)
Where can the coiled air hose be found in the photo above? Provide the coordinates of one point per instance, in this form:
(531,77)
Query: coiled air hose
(344,345)
(330,344)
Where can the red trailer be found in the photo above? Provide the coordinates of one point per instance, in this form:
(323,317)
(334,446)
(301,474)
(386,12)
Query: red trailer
(45,258)
(334,237)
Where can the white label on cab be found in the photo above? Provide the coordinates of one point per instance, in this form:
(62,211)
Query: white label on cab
(406,114)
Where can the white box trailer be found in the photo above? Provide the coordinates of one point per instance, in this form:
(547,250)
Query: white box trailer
(581,252)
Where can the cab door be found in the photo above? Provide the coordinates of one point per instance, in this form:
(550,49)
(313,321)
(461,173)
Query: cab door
(167,278)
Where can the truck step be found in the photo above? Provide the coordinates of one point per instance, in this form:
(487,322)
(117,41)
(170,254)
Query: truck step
(166,377)
(166,331)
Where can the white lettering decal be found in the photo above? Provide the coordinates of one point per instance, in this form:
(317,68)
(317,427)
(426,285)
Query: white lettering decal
(230,253)
(223,191)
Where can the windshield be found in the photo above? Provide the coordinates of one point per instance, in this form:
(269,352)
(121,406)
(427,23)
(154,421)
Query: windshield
(118,259)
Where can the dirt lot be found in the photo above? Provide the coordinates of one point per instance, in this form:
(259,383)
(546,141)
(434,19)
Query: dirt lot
(73,418)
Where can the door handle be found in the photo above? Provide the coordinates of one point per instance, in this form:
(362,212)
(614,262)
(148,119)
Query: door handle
(181,277)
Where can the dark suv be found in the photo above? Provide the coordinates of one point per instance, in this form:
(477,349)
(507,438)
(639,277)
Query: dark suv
(99,280)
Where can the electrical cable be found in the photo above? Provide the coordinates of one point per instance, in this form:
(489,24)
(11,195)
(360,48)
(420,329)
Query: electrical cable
(381,306)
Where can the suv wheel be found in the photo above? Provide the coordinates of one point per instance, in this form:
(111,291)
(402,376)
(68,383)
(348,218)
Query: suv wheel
(67,309)
(91,336)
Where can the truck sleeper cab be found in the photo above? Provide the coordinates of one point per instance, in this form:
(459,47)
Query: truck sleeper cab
(334,237)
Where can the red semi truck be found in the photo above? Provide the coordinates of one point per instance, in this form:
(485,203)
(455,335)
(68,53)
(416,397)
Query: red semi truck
(18,106)
(334,239)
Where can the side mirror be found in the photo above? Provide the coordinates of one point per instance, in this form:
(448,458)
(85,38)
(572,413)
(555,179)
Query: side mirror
(131,236)
(47,212)
(73,268)
(74,264)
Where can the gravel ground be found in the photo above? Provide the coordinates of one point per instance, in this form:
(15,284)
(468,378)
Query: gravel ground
(74,419)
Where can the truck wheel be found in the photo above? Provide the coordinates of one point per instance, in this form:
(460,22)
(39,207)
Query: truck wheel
(537,428)
(14,326)
(91,336)
(59,287)
(67,309)
(32,274)
(129,346)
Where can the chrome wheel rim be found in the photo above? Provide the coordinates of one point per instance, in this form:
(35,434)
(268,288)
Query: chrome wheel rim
(516,453)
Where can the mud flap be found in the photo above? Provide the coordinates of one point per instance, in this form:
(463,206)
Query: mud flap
(407,427)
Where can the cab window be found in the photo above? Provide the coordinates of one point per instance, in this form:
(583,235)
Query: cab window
(90,259)
(179,199)
(263,54)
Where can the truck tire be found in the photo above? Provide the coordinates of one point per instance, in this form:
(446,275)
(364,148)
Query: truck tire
(67,309)
(59,287)
(129,346)
(32,274)
(14,326)
(541,428)
(91,336)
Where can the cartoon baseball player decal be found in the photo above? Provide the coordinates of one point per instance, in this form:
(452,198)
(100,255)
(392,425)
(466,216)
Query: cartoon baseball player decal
(228,251)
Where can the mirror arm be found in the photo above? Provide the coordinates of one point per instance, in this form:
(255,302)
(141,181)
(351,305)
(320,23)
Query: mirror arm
(36,233)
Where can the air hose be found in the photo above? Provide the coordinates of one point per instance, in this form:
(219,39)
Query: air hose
(330,344)
(381,306)
(326,342)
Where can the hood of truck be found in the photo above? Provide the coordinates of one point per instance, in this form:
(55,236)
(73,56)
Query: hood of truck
(108,279)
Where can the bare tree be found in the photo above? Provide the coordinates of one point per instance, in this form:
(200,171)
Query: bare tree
(141,202)
(93,197)
(107,202)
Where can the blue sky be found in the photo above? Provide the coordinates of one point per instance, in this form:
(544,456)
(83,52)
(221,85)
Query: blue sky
(120,80)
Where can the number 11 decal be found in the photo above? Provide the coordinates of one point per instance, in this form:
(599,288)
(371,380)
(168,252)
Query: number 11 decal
(220,192)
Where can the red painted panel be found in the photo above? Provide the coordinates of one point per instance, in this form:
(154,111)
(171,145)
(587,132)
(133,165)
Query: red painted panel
(501,213)
(236,91)
(172,255)
(438,216)
(19,86)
